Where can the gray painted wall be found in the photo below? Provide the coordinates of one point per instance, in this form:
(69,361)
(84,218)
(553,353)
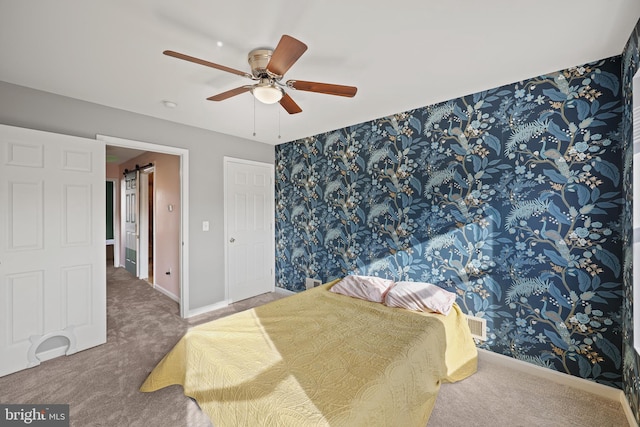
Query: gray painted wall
(29,108)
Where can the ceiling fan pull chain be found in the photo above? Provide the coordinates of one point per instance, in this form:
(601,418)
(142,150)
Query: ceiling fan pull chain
(254,116)
(278,123)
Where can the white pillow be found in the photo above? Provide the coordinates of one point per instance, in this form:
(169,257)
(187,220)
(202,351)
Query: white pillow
(369,288)
(420,296)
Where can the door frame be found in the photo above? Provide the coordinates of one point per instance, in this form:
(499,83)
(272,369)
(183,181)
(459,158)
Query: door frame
(271,167)
(116,221)
(145,218)
(184,205)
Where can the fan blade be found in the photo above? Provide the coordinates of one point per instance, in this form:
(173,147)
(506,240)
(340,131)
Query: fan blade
(228,94)
(288,51)
(290,105)
(326,88)
(206,63)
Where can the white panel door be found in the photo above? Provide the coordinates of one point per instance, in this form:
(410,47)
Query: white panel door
(131,236)
(249,217)
(52,251)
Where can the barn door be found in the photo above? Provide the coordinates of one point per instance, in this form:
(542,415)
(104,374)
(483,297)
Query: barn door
(131,239)
(52,251)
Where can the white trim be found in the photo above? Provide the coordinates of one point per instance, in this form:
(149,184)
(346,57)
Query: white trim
(143,225)
(171,295)
(601,390)
(226,303)
(184,206)
(145,220)
(208,308)
(116,221)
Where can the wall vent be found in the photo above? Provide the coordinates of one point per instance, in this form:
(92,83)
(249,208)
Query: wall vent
(478,327)
(310,283)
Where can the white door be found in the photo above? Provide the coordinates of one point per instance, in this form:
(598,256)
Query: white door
(52,251)
(131,240)
(249,219)
(183,209)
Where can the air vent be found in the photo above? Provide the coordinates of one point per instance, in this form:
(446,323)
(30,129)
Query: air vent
(478,327)
(310,283)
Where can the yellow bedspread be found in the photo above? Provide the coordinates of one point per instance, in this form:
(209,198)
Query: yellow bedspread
(319,359)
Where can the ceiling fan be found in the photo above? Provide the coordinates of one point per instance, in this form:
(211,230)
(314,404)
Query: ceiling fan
(267,68)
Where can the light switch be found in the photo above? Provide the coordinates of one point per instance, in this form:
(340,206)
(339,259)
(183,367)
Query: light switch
(205,225)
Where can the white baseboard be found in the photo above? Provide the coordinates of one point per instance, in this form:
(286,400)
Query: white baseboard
(167,293)
(607,392)
(588,386)
(223,304)
(207,308)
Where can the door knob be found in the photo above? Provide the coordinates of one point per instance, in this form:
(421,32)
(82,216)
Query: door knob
(232,240)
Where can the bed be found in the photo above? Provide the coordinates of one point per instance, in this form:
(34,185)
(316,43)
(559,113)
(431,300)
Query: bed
(319,358)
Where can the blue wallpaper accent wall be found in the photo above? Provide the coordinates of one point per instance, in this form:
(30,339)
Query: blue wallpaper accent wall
(509,197)
(631,371)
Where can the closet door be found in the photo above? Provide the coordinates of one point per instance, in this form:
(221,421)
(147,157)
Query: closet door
(52,251)
(249,218)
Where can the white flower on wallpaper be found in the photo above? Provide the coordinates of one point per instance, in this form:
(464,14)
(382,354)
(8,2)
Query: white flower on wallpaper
(511,198)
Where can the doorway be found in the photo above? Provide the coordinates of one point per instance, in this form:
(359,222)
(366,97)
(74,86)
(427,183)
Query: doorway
(149,235)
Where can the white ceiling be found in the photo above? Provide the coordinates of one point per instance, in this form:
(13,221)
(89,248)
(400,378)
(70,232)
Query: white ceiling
(401,54)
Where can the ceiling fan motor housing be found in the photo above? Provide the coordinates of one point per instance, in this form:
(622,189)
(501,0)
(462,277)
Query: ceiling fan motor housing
(258,60)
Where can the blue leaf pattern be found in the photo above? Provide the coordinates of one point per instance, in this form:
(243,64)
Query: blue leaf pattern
(631,359)
(607,80)
(608,170)
(510,197)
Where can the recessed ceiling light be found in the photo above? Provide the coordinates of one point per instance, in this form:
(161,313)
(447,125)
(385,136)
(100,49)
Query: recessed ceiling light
(169,104)
(219,43)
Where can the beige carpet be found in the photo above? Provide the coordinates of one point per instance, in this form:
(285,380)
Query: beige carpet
(101,384)
(500,396)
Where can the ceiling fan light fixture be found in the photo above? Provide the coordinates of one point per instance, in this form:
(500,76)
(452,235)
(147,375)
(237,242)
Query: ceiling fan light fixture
(268,94)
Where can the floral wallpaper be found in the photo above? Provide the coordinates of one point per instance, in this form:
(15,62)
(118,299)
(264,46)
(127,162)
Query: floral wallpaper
(511,197)
(631,369)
